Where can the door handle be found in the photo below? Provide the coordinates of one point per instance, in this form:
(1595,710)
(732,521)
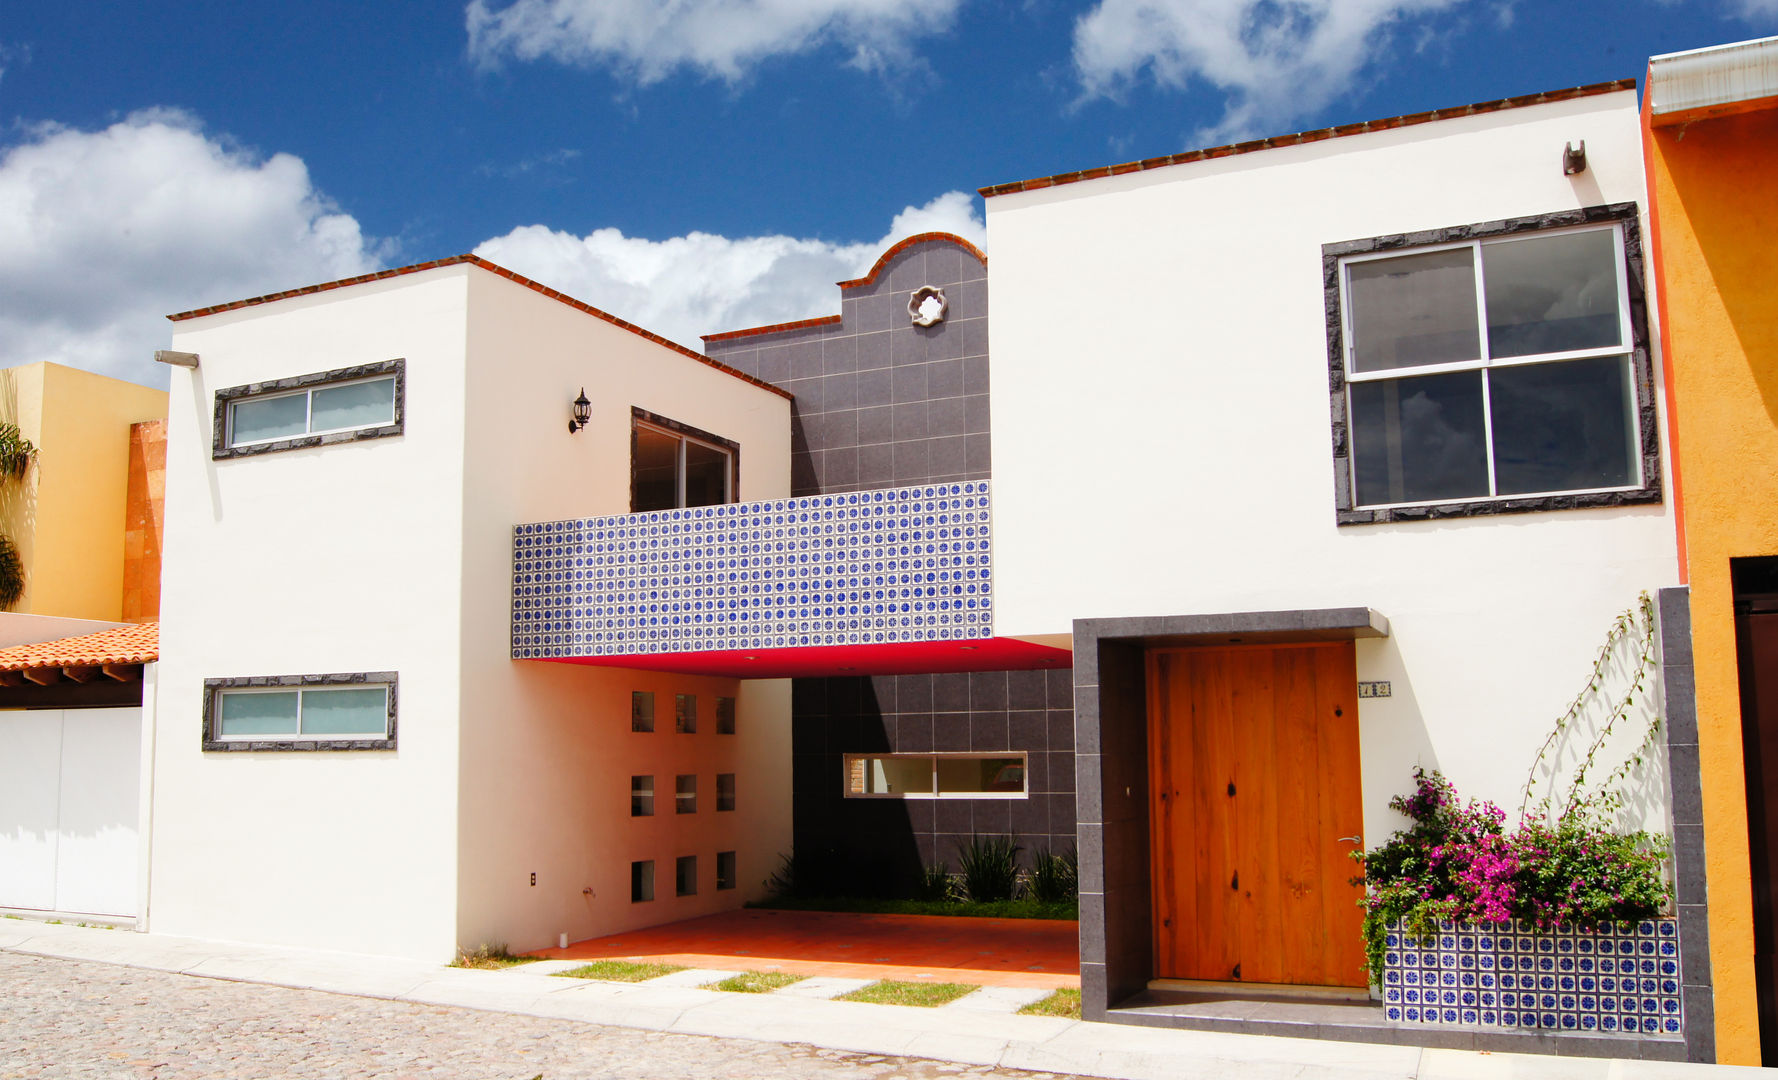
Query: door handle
(1351,839)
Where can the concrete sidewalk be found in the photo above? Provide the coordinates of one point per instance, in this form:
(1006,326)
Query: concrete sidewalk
(972,1036)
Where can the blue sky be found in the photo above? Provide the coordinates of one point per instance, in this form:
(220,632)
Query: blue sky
(693,165)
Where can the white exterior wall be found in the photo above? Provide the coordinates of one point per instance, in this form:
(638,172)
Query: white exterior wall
(547,749)
(1161,432)
(340,558)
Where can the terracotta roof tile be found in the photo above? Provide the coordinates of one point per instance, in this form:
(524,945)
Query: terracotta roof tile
(135,644)
(1306,137)
(494,268)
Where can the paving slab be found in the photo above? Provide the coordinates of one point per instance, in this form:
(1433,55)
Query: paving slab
(824,987)
(999,999)
(691,977)
(973,1036)
(542,967)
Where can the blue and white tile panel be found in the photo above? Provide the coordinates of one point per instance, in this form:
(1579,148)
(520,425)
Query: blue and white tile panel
(1618,980)
(859,568)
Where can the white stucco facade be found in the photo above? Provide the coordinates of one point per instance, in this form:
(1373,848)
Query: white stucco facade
(394,554)
(1161,429)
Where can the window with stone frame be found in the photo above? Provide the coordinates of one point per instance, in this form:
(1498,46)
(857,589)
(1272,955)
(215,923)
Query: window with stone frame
(1491,368)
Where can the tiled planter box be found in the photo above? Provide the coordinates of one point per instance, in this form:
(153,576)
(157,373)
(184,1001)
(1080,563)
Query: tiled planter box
(1621,980)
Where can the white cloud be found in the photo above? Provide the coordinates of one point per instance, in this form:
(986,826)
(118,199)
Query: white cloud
(1754,11)
(1276,60)
(701,283)
(102,233)
(648,40)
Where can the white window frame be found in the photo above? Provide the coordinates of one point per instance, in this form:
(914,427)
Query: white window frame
(1624,350)
(935,757)
(224,445)
(309,429)
(215,690)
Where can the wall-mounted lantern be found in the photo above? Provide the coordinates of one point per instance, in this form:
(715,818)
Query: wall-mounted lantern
(583,411)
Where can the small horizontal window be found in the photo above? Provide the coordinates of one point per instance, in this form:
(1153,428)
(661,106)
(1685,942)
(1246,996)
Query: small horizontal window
(345,711)
(347,404)
(935,776)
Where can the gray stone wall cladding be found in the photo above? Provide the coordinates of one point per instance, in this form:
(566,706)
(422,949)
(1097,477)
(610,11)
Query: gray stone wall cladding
(881,402)
(983,711)
(1116,950)
(1648,428)
(220,451)
(296,682)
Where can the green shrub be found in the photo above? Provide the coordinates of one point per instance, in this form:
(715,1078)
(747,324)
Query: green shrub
(935,883)
(1055,877)
(990,867)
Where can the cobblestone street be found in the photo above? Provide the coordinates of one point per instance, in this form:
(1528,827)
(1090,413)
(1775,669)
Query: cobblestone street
(61,1018)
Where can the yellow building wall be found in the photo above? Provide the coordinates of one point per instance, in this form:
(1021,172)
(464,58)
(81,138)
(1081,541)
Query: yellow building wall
(67,515)
(1716,216)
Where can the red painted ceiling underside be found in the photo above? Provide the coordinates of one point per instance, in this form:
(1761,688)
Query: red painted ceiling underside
(900,658)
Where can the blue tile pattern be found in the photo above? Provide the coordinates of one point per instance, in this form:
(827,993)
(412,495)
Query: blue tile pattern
(1621,979)
(859,568)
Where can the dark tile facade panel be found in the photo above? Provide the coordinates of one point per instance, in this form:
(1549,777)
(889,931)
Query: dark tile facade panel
(881,402)
(1679,705)
(884,843)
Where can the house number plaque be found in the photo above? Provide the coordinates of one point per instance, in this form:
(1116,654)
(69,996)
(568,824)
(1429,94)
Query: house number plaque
(1379,688)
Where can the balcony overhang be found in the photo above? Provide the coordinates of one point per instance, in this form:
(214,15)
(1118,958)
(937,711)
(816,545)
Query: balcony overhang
(895,658)
(866,582)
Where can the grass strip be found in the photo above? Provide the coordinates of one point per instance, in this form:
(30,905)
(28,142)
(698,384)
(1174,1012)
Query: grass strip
(1064,1003)
(996,909)
(491,958)
(756,982)
(925,995)
(621,971)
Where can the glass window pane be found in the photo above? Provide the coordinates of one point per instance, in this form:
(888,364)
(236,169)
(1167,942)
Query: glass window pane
(256,714)
(1566,426)
(1413,310)
(725,716)
(685,794)
(656,470)
(345,712)
(725,791)
(706,474)
(725,869)
(256,419)
(897,775)
(971,774)
(685,875)
(1419,439)
(641,710)
(641,796)
(685,714)
(365,404)
(1552,293)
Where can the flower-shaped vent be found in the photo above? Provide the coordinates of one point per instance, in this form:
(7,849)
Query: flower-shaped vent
(926,305)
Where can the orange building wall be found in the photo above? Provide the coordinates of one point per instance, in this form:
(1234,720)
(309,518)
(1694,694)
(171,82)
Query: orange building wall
(1716,213)
(143,520)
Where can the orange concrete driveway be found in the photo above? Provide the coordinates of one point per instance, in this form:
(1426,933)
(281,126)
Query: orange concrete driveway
(936,948)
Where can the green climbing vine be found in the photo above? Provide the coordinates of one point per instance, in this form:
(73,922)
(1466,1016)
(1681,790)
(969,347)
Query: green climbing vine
(1634,630)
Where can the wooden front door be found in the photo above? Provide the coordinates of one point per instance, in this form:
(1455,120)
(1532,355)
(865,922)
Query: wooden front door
(1254,804)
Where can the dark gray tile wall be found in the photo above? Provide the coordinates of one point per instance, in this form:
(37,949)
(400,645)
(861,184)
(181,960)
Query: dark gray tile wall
(884,843)
(1680,707)
(881,402)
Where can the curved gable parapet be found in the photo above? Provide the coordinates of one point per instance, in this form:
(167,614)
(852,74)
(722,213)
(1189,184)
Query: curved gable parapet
(911,242)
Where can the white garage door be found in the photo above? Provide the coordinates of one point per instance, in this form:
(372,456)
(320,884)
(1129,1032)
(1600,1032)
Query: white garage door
(68,791)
